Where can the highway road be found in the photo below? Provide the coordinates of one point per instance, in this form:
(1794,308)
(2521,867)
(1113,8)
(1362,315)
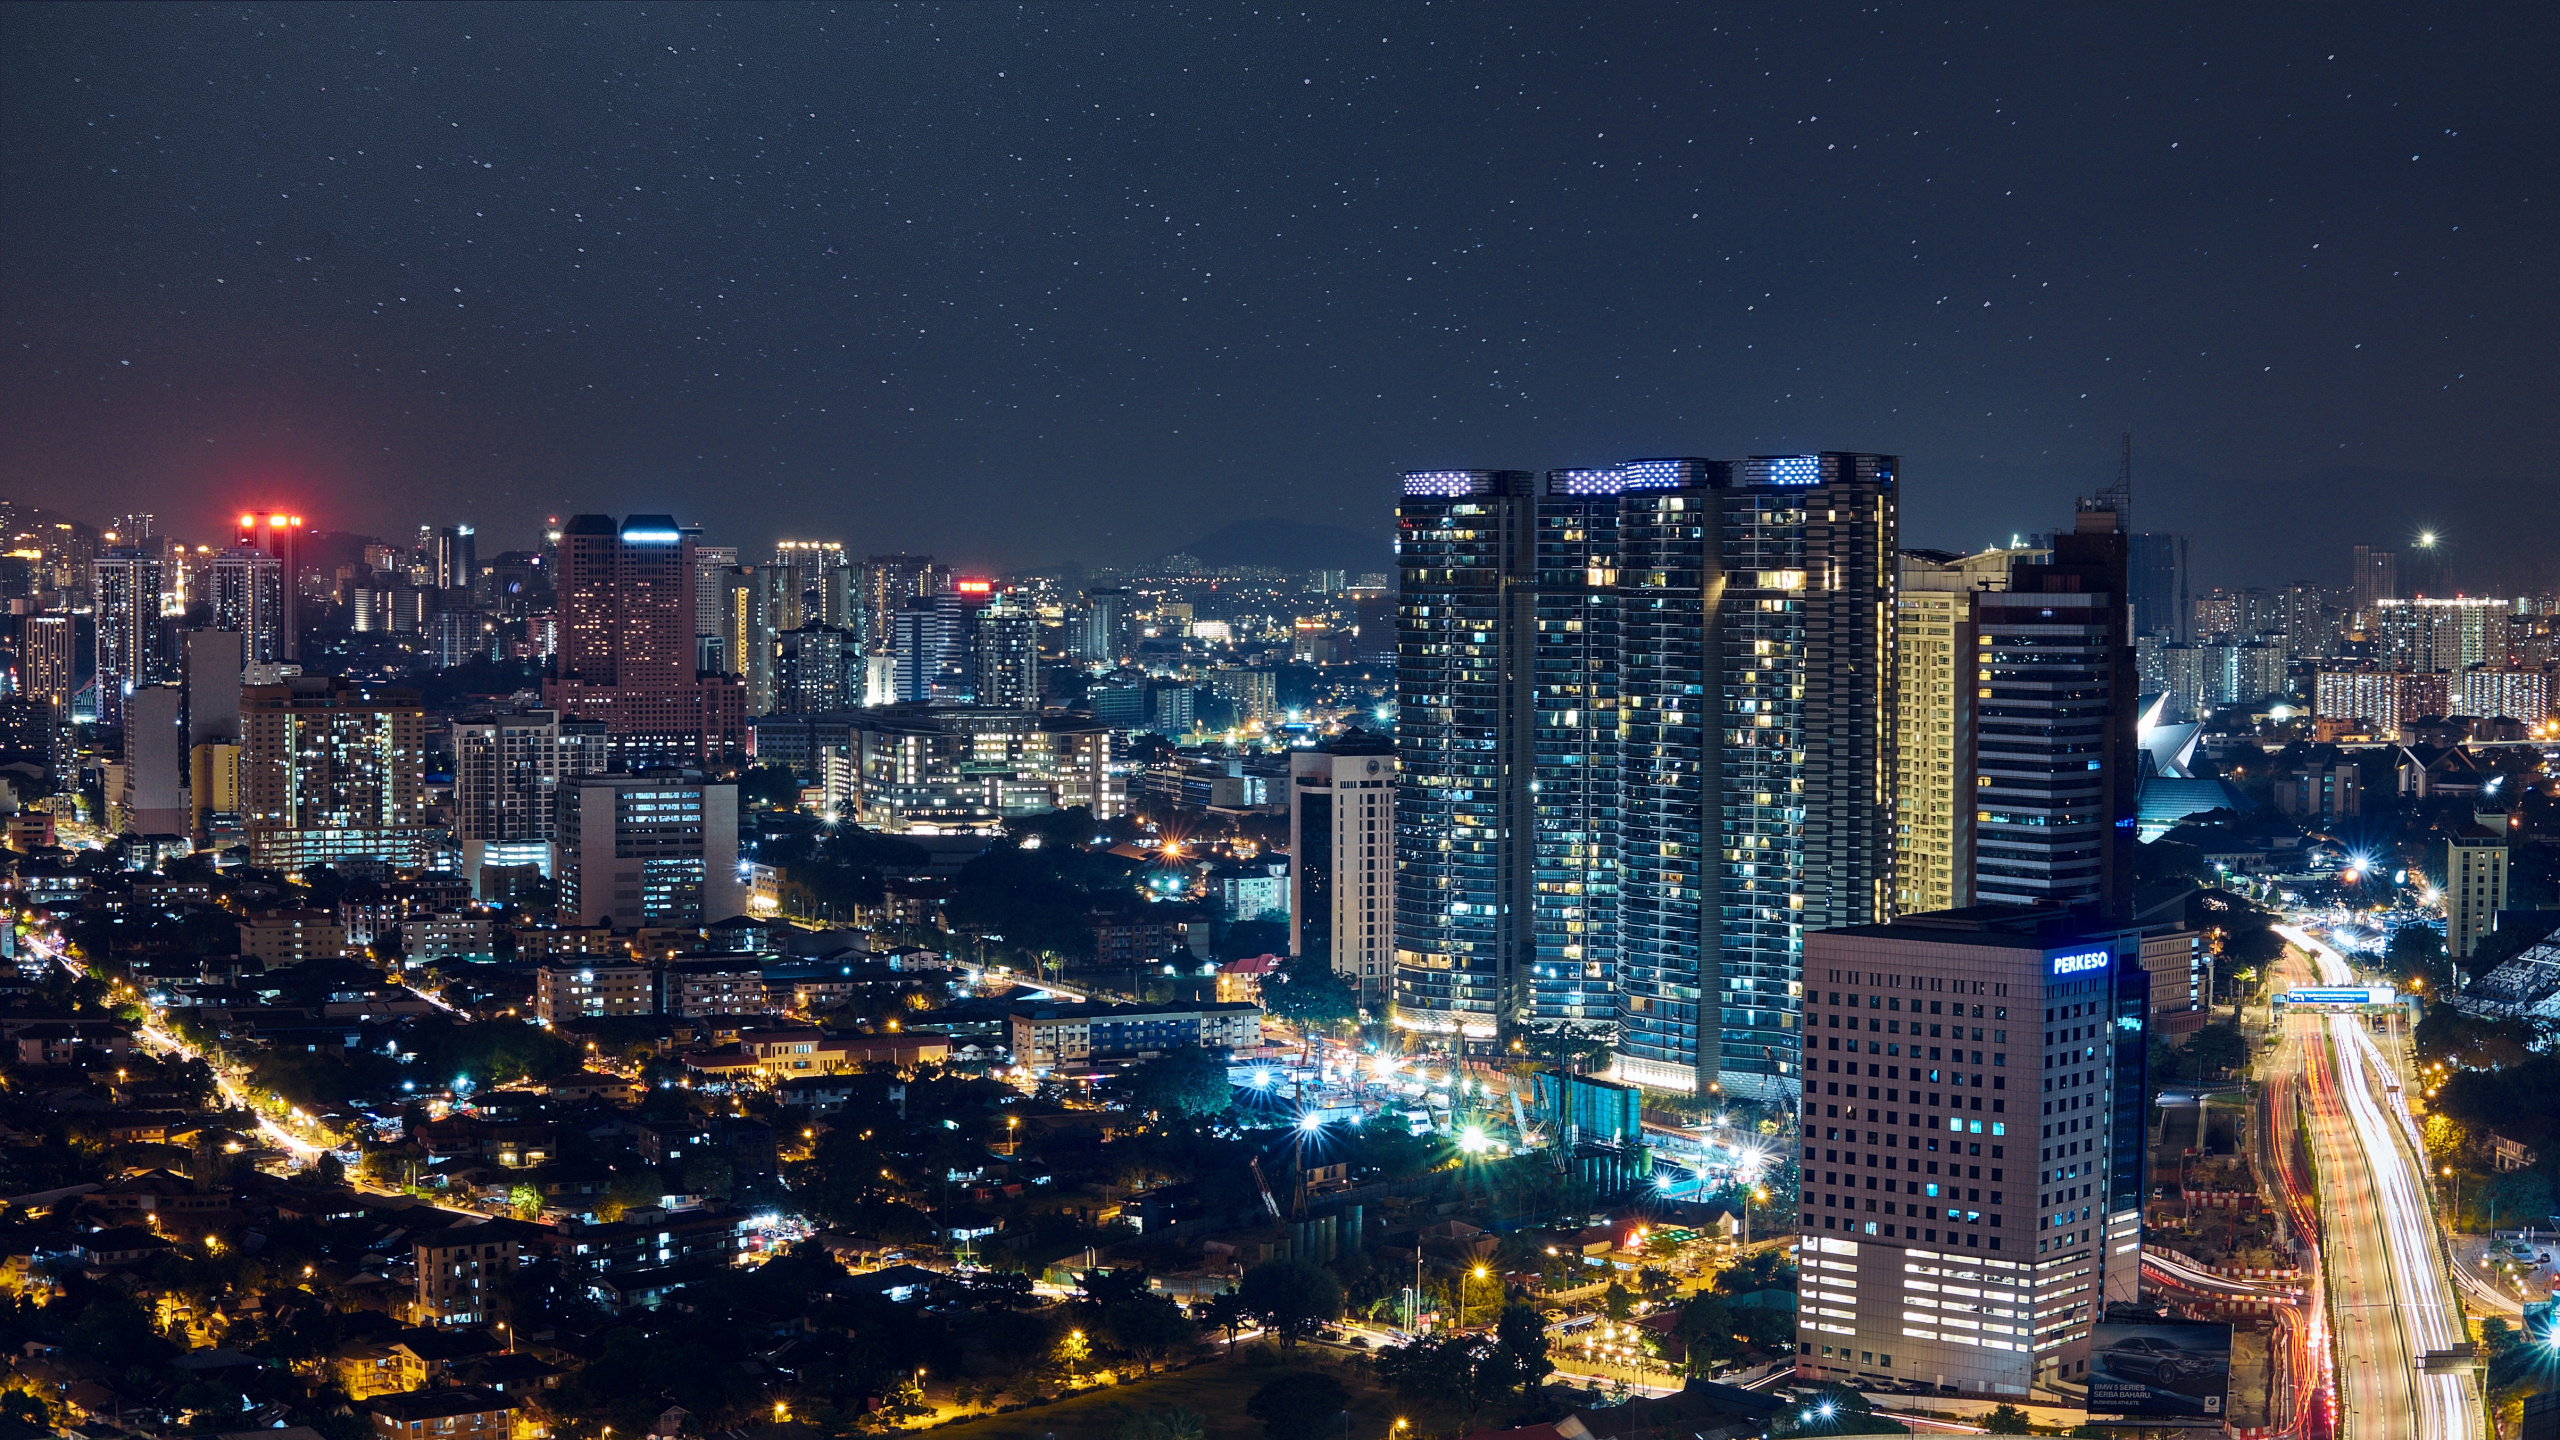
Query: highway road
(2390,1297)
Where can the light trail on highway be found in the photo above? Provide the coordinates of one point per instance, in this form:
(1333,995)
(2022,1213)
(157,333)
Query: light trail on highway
(2392,1297)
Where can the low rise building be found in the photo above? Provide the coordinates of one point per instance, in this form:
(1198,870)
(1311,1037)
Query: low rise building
(1046,1037)
(573,989)
(278,938)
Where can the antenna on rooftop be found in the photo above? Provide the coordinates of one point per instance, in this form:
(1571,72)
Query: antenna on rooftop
(2119,496)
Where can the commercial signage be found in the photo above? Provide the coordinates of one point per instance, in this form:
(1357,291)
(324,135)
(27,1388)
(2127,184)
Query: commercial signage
(2081,962)
(2338,995)
(2160,1372)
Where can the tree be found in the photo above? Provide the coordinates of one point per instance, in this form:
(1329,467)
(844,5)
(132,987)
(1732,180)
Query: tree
(1187,1083)
(1173,1424)
(2006,1420)
(1293,1297)
(1467,1371)
(1520,1348)
(1306,992)
(1619,1301)
(526,1202)
(2217,1050)
(1706,1327)
(1223,1311)
(1303,1406)
(1149,1327)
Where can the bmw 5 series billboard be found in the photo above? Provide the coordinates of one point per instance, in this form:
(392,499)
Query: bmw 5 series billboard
(2160,1372)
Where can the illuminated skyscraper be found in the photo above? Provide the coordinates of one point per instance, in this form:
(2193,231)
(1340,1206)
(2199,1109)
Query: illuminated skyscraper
(245,586)
(331,771)
(888,584)
(2055,711)
(626,657)
(280,536)
(125,593)
(1005,661)
(1464,553)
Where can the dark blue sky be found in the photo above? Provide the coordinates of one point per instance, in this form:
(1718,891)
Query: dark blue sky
(1021,284)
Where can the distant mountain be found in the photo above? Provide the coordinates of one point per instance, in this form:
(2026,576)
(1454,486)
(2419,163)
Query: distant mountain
(1292,545)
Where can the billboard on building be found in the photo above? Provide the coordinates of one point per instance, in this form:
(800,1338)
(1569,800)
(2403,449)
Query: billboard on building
(2160,1372)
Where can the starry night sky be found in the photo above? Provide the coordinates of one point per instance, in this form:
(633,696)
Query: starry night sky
(1025,284)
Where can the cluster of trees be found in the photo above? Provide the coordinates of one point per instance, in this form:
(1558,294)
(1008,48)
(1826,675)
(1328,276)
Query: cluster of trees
(1472,1371)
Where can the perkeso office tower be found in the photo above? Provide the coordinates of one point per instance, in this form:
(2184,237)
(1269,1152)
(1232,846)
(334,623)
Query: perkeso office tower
(1972,1155)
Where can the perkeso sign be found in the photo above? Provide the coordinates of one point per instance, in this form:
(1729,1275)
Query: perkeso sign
(2079,962)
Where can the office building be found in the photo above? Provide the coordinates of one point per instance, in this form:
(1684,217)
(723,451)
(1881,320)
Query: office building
(2475,887)
(2055,776)
(2158,578)
(957,609)
(508,770)
(1969,1213)
(627,616)
(1933,756)
(1005,657)
(456,558)
(330,772)
(915,645)
(1342,861)
(125,598)
(648,850)
(2311,624)
(245,587)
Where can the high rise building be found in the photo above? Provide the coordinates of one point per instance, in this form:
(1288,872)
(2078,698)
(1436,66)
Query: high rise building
(2437,635)
(649,850)
(810,584)
(2514,693)
(811,668)
(627,617)
(711,566)
(2372,576)
(1342,861)
(1968,1215)
(1464,557)
(746,634)
(2159,583)
(915,644)
(959,607)
(890,583)
(1573,745)
(1937,633)
(1103,636)
(125,595)
(152,796)
(1736,619)
(212,664)
(508,771)
(456,558)
(280,535)
(46,667)
(332,771)
(1005,667)
(2312,625)
(2475,887)
(2374,703)
(2055,773)
(245,586)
